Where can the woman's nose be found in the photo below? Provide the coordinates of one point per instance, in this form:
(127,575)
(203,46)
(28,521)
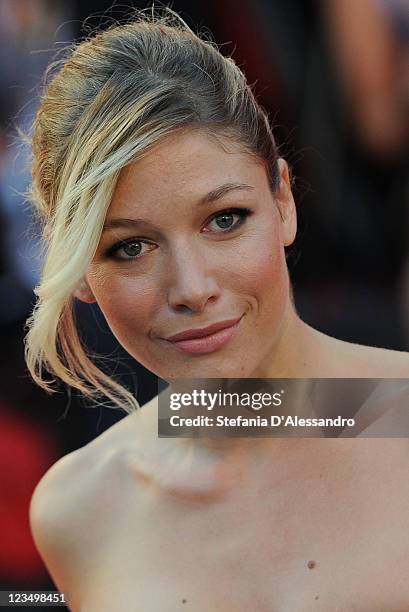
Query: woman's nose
(191,284)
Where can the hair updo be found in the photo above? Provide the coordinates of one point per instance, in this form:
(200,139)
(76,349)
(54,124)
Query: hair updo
(117,94)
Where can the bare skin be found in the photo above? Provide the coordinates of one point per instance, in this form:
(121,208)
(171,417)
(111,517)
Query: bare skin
(135,523)
(131,522)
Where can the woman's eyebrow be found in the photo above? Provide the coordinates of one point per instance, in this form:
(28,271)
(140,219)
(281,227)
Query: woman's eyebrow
(212,196)
(120,222)
(222,190)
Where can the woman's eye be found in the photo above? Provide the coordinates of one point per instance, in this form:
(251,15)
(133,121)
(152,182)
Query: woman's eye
(228,220)
(223,222)
(130,249)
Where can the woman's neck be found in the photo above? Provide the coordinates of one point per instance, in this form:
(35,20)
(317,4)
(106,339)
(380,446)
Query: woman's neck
(296,352)
(214,463)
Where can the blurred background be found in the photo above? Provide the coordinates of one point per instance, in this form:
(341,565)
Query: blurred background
(334,77)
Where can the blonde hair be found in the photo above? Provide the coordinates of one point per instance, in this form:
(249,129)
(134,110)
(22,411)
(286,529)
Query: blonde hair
(112,98)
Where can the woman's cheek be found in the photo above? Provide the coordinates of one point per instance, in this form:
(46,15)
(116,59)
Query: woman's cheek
(128,304)
(260,263)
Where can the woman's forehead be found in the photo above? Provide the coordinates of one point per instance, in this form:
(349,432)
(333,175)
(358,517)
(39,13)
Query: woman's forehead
(187,166)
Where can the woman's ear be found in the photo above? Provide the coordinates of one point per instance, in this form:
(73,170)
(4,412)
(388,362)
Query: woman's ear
(286,204)
(84,293)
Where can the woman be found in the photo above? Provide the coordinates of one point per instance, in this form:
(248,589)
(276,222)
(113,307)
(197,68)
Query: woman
(165,201)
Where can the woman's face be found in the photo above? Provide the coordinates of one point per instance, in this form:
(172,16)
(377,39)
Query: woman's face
(194,238)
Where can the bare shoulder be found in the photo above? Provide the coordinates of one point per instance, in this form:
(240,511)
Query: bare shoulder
(70,487)
(349,360)
(380,363)
(65,511)
(57,511)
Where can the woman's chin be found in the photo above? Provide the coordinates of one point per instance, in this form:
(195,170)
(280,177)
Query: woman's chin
(226,370)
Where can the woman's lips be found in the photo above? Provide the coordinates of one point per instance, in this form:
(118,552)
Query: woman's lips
(209,343)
